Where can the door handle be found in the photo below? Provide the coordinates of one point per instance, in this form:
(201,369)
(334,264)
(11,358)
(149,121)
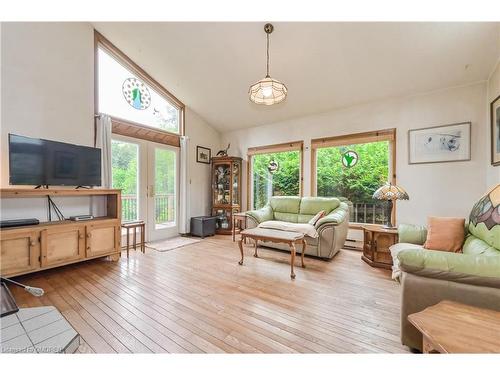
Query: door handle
(151,191)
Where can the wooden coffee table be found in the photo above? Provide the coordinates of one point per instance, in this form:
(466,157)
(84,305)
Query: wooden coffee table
(276,236)
(451,327)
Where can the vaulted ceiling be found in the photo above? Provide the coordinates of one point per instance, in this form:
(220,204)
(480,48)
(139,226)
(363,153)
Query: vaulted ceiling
(209,66)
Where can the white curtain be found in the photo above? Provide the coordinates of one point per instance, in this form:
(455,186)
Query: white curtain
(103,141)
(184,187)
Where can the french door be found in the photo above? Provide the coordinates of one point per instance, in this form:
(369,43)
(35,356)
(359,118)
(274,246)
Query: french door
(147,173)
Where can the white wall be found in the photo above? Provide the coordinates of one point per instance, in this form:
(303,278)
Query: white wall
(200,133)
(47,75)
(493,173)
(444,189)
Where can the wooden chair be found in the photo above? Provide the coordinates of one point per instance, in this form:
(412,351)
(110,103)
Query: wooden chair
(142,228)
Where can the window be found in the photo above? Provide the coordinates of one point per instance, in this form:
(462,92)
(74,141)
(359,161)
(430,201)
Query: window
(275,170)
(354,167)
(129,95)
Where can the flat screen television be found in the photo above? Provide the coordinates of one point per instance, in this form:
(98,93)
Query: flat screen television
(35,161)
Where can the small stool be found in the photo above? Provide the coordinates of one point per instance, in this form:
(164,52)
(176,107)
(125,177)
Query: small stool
(134,225)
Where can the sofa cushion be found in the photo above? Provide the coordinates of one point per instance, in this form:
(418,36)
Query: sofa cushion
(313,205)
(460,268)
(476,246)
(445,233)
(286,216)
(285,204)
(306,229)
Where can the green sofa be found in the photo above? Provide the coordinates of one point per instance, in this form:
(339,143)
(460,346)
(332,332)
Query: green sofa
(430,276)
(332,228)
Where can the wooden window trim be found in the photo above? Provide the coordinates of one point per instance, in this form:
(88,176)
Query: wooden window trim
(352,139)
(268,149)
(130,128)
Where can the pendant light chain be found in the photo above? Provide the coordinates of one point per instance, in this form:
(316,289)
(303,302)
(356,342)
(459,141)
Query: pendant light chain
(267,55)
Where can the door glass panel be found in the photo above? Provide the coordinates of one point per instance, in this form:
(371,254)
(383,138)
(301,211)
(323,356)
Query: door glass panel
(124,162)
(164,188)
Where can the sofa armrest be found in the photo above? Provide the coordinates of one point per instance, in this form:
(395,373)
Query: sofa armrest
(261,215)
(457,267)
(409,233)
(336,217)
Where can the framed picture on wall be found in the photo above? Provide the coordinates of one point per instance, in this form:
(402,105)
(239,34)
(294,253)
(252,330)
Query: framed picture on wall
(440,144)
(495,131)
(203,154)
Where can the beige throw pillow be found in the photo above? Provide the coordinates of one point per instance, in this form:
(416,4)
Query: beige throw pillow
(445,234)
(316,217)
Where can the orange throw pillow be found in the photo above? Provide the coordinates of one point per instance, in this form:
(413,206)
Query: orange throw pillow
(445,234)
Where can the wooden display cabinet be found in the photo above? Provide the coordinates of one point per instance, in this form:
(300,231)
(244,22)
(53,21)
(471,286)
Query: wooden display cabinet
(51,244)
(377,241)
(226,191)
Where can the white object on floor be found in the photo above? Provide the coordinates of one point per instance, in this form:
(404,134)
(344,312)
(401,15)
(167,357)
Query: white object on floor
(307,229)
(172,243)
(395,249)
(37,330)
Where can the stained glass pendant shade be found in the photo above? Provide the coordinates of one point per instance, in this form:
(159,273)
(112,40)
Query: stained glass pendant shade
(268,91)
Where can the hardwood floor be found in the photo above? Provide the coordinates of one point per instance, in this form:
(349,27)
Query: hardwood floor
(197,299)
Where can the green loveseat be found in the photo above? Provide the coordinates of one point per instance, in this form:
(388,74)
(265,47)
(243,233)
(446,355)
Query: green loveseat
(332,228)
(430,276)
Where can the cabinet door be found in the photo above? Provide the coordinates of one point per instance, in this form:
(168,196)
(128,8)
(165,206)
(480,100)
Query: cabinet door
(383,242)
(63,244)
(102,239)
(20,252)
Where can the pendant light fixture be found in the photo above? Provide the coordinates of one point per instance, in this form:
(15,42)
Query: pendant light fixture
(268,91)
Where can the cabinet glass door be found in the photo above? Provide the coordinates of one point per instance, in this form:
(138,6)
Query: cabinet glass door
(222,184)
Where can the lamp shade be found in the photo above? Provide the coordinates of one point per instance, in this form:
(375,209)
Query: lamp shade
(267,91)
(390,192)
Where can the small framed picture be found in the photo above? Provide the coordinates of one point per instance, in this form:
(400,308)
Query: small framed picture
(203,155)
(439,144)
(495,131)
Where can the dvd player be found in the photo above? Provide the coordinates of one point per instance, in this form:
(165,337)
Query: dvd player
(81,217)
(18,223)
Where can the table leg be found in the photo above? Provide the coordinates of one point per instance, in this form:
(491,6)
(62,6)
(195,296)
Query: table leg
(135,238)
(128,237)
(255,252)
(240,244)
(143,239)
(234,229)
(292,260)
(304,246)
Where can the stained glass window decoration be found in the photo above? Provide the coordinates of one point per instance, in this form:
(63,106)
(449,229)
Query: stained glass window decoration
(136,93)
(144,106)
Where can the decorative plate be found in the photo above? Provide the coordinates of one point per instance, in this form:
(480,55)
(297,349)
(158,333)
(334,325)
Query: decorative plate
(136,93)
(349,159)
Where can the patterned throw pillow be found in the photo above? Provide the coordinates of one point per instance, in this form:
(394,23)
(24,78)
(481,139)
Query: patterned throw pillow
(316,217)
(484,220)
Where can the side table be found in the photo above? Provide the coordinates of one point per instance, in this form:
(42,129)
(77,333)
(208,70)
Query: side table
(377,241)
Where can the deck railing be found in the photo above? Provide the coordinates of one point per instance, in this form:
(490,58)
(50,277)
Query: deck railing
(372,213)
(164,208)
